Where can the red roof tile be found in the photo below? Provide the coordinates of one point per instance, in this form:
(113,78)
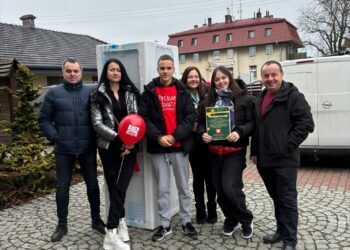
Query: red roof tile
(282,31)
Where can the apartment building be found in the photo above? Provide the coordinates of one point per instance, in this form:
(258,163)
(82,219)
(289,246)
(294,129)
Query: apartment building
(240,45)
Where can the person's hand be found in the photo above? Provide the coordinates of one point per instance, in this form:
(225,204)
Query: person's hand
(129,146)
(254,159)
(163,141)
(207,138)
(171,139)
(233,137)
(125,152)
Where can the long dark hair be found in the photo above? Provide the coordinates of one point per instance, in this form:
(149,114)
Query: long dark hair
(200,88)
(125,82)
(236,91)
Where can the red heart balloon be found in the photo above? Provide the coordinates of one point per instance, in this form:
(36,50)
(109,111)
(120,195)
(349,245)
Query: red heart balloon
(131,129)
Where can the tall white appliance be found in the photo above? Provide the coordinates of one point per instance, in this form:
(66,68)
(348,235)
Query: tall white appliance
(140,60)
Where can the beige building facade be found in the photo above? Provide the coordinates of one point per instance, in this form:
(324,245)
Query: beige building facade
(242,45)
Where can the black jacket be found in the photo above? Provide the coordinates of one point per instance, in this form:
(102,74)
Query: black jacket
(151,111)
(244,119)
(284,125)
(65,118)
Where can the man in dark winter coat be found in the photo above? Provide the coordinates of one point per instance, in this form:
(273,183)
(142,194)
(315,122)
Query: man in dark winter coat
(169,115)
(283,120)
(65,120)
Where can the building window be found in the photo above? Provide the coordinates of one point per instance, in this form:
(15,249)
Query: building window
(180,43)
(182,59)
(231,70)
(269,49)
(229,53)
(228,37)
(252,51)
(54,80)
(252,71)
(216,54)
(251,34)
(196,57)
(94,78)
(194,41)
(215,38)
(268,32)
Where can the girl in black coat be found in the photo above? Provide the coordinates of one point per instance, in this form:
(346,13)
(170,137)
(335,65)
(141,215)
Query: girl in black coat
(228,156)
(199,156)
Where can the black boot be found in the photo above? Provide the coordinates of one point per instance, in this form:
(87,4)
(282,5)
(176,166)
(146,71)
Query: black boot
(212,215)
(60,231)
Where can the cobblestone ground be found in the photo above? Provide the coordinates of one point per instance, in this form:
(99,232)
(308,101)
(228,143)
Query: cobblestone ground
(324,224)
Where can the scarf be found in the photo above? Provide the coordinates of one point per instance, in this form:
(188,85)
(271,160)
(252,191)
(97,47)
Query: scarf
(224,100)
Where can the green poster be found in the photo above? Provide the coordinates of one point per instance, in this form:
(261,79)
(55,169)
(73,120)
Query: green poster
(218,122)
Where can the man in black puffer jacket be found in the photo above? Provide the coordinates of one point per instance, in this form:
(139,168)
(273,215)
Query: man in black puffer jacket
(283,120)
(65,120)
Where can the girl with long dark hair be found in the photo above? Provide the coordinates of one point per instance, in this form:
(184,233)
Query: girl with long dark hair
(115,97)
(228,156)
(199,157)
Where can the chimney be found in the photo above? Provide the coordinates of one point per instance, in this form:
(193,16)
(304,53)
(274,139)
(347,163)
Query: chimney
(228,19)
(196,26)
(209,21)
(28,21)
(268,14)
(258,14)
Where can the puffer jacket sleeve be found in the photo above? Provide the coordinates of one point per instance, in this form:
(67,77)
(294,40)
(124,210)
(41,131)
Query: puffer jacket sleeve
(145,111)
(301,117)
(183,130)
(97,121)
(247,128)
(46,117)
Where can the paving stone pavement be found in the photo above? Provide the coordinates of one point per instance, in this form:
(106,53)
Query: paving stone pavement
(324,223)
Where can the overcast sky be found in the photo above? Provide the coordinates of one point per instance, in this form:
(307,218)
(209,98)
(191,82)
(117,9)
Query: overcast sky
(116,21)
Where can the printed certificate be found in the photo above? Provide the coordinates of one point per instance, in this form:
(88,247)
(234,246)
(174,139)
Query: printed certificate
(218,122)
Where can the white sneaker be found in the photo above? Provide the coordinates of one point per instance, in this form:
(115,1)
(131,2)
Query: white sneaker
(122,230)
(113,242)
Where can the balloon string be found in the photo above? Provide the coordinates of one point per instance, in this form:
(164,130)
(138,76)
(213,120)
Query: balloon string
(120,169)
(115,119)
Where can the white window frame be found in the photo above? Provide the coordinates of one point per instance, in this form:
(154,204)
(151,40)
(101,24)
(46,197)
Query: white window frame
(251,34)
(252,51)
(216,39)
(180,43)
(229,37)
(269,49)
(194,41)
(229,53)
(268,32)
(196,57)
(182,59)
(216,54)
(252,72)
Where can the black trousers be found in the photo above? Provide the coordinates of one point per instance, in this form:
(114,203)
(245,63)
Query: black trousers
(227,173)
(111,162)
(64,170)
(280,183)
(201,170)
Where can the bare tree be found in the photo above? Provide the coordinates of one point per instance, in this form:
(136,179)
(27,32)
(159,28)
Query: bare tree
(324,25)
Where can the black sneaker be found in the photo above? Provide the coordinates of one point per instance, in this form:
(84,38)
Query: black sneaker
(60,231)
(99,226)
(161,233)
(229,227)
(190,231)
(247,230)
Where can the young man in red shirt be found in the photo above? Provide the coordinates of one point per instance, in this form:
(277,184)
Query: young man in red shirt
(169,115)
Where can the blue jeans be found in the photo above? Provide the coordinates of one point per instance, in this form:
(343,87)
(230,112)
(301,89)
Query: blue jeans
(64,170)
